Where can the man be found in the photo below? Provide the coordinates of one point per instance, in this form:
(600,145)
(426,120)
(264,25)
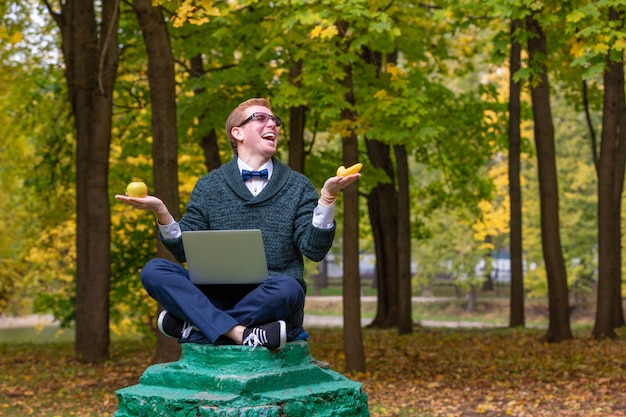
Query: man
(253,191)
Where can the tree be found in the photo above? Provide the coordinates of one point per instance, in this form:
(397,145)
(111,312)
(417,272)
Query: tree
(90,52)
(383,209)
(297,124)
(559,326)
(405,317)
(355,355)
(594,55)
(389,211)
(208,140)
(516,316)
(611,165)
(382,202)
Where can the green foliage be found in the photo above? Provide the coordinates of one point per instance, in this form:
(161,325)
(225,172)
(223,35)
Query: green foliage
(36,148)
(593,36)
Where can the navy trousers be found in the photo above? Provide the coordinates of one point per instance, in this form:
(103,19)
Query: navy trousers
(215,309)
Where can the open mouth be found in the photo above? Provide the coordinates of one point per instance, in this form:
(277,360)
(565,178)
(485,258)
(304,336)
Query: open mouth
(269,136)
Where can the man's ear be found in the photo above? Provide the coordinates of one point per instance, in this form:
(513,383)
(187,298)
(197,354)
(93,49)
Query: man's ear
(237,133)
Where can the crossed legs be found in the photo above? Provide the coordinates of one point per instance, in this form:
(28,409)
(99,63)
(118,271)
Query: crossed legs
(219,311)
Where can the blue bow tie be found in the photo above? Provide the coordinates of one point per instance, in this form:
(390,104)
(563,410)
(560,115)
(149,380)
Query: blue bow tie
(246,175)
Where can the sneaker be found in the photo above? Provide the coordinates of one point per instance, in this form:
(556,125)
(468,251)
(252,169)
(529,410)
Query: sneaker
(270,335)
(173,327)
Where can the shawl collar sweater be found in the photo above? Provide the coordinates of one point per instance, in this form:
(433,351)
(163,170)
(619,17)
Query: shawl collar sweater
(283,211)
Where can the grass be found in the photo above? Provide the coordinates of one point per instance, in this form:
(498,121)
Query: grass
(491,311)
(334,288)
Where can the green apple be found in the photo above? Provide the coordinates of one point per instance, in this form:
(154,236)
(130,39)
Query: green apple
(137,189)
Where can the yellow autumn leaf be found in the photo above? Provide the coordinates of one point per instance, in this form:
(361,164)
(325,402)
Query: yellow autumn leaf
(207,8)
(577,49)
(343,128)
(177,22)
(186,7)
(16,37)
(380,94)
(329,32)
(602,48)
(323,32)
(395,71)
(317,30)
(198,22)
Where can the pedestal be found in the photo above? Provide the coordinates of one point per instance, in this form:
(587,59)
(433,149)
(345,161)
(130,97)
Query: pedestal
(240,381)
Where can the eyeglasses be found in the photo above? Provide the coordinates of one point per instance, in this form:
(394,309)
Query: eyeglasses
(262,118)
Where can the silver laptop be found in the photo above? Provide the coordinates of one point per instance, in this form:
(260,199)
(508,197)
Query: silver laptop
(225,256)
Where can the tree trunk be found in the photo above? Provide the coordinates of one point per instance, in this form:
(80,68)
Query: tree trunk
(382,204)
(320,279)
(472,298)
(559,325)
(488,283)
(353,346)
(297,123)
(516,315)
(405,318)
(208,142)
(91,65)
(352,335)
(164,133)
(618,308)
(609,194)
(389,216)
(620,167)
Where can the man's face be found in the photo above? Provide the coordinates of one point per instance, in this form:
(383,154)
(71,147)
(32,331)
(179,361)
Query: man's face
(259,134)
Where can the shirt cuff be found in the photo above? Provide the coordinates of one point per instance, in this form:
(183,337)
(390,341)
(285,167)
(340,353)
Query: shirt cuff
(170,231)
(323,217)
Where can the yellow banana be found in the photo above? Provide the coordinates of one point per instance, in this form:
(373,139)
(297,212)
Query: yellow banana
(343,171)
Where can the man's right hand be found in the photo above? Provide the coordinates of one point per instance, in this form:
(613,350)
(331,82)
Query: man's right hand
(150,203)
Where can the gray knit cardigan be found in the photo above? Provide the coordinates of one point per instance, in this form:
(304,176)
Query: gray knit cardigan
(283,211)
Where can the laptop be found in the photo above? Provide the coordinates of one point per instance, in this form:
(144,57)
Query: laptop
(225,256)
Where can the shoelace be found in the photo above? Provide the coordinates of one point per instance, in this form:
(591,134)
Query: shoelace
(257,337)
(186,330)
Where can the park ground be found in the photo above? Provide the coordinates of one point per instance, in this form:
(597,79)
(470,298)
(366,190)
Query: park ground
(441,369)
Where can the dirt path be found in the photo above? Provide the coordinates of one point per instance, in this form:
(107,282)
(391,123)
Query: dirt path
(34,320)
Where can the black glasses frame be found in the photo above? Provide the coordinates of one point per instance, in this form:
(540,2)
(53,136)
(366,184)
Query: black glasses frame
(263,118)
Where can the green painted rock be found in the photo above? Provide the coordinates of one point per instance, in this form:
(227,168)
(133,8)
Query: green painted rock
(240,381)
